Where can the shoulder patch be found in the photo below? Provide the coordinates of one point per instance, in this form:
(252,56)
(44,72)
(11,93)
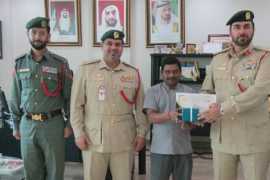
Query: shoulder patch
(57,57)
(261,49)
(128,65)
(223,51)
(20,57)
(89,62)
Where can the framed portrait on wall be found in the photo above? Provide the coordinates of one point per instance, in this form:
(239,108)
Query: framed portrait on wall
(65,22)
(223,39)
(190,48)
(1,49)
(165,22)
(108,15)
(219,38)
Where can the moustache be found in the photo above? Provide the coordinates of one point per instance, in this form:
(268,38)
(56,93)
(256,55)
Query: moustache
(172,78)
(37,41)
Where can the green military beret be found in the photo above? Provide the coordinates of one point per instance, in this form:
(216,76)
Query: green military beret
(38,22)
(244,15)
(113,34)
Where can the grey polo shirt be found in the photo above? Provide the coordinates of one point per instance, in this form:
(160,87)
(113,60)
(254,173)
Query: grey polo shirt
(168,137)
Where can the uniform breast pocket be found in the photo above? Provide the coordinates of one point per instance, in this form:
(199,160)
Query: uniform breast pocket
(221,79)
(51,80)
(128,90)
(25,79)
(247,77)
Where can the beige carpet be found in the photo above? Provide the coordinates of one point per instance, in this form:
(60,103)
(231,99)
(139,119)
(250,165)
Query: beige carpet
(202,170)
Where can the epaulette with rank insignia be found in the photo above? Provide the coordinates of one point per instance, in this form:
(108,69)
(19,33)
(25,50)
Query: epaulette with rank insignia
(59,58)
(223,51)
(261,49)
(90,62)
(128,65)
(20,57)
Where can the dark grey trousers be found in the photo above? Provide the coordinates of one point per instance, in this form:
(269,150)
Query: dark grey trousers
(179,166)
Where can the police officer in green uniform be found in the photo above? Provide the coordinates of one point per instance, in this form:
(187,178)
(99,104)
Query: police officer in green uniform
(240,128)
(40,97)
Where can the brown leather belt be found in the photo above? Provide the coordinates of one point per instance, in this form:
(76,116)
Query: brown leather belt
(43,116)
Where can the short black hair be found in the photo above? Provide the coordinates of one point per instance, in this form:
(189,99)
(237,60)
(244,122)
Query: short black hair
(170,60)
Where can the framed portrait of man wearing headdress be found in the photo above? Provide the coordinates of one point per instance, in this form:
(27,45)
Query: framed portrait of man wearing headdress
(165,22)
(65,22)
(108,15)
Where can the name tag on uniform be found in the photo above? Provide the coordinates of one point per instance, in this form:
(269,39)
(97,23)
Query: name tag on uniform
(101,93)
(48,69)
(24,70)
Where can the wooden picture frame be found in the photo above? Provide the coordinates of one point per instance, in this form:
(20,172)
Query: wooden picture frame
(190,48)
(65,22)
(108,15)
(1,48)
(165,29)
(224,39)
(221,38)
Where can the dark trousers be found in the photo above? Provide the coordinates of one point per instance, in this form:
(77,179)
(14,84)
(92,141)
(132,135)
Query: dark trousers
(179,166)
(108,175)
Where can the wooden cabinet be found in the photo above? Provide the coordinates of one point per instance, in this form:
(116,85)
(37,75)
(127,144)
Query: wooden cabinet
(200,135)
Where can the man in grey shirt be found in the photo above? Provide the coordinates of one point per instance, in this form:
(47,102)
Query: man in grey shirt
(171,151)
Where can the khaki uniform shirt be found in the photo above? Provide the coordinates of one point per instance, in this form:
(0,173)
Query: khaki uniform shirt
(241,83)
(98,109)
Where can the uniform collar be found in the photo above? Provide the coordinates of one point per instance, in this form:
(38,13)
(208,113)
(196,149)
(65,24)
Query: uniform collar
(47,54)
(245,52)
(103,65)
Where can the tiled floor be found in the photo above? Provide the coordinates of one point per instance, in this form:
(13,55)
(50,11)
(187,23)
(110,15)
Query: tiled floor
(202,170)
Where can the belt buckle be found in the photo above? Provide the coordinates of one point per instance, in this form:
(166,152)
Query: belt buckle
(37,117)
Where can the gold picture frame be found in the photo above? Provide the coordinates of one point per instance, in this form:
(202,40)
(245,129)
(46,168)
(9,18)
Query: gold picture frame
(190,48)
(165,30)
(1,48)
(224,39)
(65,22)
(111,14)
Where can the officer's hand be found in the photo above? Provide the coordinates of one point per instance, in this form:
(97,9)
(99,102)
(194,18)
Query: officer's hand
(211,115)
(139,143)
(83,142)
(17,134)
(67,132)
